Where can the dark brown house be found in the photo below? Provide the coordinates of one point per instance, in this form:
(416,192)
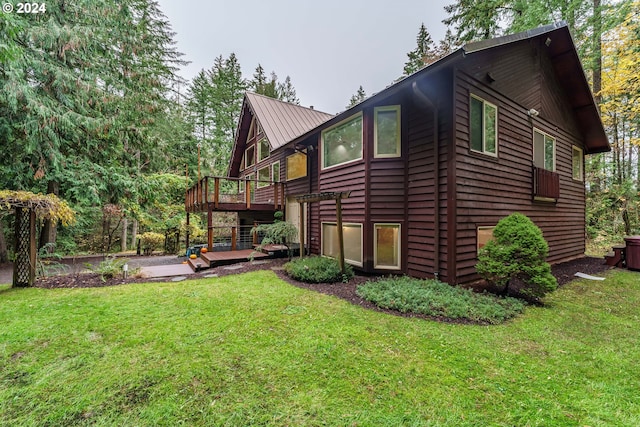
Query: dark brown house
(435,160)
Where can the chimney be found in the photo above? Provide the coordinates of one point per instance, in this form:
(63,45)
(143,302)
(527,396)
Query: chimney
(311,107)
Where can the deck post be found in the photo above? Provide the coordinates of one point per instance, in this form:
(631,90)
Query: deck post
(186,238)
(247,194)
(216,189)
(209,228)
(340,234)
(301,232)
(234,237)
(206,189)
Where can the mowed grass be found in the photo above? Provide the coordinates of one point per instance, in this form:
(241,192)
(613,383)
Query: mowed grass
(251,350)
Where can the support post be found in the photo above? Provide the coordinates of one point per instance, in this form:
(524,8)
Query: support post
(186,238)
(247,193)
(234,238)
(216,194)
(24,266)
(301,232)
(340,234)
(209,229)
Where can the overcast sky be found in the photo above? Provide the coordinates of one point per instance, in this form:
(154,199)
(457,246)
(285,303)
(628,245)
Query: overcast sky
(328,48)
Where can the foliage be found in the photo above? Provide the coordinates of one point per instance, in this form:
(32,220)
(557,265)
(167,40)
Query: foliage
(109,268)
(271,87)
(434,298)
(517,251)
(423,54)
(357,98)
(46,206)
(151,241)
(277,233)
(317,269)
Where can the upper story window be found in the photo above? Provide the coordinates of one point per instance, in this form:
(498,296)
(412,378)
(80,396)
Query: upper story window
(296,166)
(483,124)
(342,143)
(275,171)
(264,177)
(263,149)
(250,156)
(577,157)
(387,131)
(544,151)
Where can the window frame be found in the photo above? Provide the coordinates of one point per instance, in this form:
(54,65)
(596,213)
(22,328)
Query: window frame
(275,177)
(261,183)
(306,172)
(483,228)
(341,123)
(484,130)
(246,156)
(555,146)
(579,150)
(376,264)
(387,108)
(260,153)
(349,224)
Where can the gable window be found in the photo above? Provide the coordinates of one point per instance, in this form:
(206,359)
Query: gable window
(296,166)
(577,157)
(387,131)
(264,179)
(342,143)
(263,149)
(386,250)
(544,151)
(250,156)
(275,171)
(352,239)
(483,125)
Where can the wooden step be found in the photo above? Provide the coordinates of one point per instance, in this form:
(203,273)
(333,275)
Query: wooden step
(197,264)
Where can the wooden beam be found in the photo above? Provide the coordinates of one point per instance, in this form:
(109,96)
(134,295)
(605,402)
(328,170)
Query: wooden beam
(318,197)
(234,238)
(340,234)
(216,191)
(209,228)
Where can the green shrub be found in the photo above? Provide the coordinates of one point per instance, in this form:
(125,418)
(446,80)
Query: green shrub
(109,268)
(317,269)
(434,298)
(517,253)
(150,241)
(278,233)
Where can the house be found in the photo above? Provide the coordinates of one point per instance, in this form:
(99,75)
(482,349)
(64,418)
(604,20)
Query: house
(434,161)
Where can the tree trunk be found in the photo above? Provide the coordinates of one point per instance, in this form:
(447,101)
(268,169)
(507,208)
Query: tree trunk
(3,245)
(48,233)
(597,52)
(123,240)
(134,233)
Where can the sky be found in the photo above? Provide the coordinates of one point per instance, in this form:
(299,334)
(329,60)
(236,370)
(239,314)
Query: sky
(328,48)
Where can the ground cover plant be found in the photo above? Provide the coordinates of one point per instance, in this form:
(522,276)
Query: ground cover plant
(437,299)
(317,269)
(253,350)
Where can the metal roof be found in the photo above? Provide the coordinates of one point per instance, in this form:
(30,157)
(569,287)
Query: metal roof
(283,121)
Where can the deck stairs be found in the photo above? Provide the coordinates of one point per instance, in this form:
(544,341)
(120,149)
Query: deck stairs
(616,257)
(217,258)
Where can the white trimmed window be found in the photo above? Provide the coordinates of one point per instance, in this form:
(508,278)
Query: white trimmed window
(342,143)
(250,156)
(484,234)
(263,149)
(352,235)
(483,126)
(577,159)
(386,131)
(386,249)
(296,166)
(544,150)
(275,171)
(264,177)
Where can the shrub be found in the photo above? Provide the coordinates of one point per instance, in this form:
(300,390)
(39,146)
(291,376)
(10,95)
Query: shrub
(150,241)
(317,269)
(517,253)
(278,233)
(109,268)
(434,298)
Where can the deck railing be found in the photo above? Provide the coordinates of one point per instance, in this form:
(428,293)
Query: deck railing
(233,193)
(546,184)
(232,237)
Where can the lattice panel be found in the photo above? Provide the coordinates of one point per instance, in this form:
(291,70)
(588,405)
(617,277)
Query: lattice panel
(24,266)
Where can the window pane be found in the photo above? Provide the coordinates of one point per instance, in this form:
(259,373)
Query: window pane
(264,149)
(343,143)
(263,177)
(296,166)
(387,132)
(275,172)
(577,163)
(352,235)
(476,124)
(490,128)
(548,152)
(538,149)
(387,245)
(250,156)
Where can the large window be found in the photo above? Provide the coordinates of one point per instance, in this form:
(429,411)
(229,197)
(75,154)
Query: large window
(544,151)
(483,125)
(387,131)
(263,177)
(577,158)
(250,156)
(352,235)
(263,149)
(386,250)
(275,171)
(296,166)
(342,143)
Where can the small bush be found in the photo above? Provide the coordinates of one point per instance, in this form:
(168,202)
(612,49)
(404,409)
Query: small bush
(434,298)
(109,268)
(317,270)
(517,253)
(150,241)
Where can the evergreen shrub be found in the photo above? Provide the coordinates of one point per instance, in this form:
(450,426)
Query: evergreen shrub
(317,269)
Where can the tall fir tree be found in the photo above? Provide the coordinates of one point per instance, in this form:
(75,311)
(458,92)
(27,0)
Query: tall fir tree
(423,54)
(358,97)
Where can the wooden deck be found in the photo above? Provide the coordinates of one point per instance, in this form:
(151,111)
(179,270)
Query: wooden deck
(228,257)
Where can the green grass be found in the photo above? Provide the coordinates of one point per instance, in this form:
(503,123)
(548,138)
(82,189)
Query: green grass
(253,350)
(434,298)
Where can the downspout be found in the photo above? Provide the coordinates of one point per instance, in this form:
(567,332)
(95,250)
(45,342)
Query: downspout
(426,103)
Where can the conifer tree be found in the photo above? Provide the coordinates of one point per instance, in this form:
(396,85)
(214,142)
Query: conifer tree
(358,97)
(423,54)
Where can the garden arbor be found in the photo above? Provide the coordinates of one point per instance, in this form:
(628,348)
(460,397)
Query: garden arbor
(27,207)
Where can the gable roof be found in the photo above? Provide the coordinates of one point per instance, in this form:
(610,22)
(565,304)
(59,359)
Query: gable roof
(283,121)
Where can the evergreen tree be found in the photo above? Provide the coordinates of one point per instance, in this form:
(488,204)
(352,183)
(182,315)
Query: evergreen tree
(287,92)
(423,54)
(357,98)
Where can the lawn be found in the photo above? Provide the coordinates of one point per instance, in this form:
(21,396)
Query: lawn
(253,350)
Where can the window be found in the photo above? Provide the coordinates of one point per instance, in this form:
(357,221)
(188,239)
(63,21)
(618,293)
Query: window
(241,186)
(544,151)
(387,131)
(275,171)
(249,156)
(483,125)
(577,158)
(264,179)
(484,234)
(352,235)
(296,166)
(386,250)
(342,143)
(263,149)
